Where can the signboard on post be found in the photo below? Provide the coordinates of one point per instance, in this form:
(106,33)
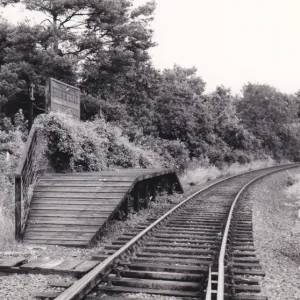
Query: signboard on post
(62,97)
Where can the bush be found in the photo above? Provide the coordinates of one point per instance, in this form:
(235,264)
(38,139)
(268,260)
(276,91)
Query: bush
(173,154)
(75,146)
(11,146)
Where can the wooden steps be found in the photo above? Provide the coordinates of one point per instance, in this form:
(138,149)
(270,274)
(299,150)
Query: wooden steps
(71,209)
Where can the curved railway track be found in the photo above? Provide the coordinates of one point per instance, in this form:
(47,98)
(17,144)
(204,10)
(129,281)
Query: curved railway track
(200,249)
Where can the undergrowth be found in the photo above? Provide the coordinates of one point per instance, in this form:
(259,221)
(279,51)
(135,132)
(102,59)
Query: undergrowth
(201,172)
(12,136)
(74,146)
(293,186)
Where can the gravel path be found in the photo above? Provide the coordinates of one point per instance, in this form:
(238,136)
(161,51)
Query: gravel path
(274,216)
(23,287)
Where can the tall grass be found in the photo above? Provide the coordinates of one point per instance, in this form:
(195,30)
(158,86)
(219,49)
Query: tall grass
(11,141)
(6,205)
(293,188)
(198,174)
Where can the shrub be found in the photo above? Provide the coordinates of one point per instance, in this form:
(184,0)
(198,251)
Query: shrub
(173,154)
(75,146)
(11,146)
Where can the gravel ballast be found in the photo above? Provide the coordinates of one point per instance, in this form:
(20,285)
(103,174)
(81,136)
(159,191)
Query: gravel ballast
(274,217)
(269,248)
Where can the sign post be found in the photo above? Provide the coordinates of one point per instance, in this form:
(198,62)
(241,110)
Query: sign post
(62,97)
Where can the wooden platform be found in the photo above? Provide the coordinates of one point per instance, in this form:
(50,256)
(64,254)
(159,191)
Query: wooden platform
(47,265)
(72,209)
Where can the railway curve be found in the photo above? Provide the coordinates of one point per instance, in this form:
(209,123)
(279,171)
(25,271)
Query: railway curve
(200,249)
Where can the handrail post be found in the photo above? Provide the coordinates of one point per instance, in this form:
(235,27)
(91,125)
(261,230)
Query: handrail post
(18,207)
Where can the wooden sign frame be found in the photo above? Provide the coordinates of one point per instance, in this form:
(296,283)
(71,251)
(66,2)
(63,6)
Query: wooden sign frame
(62,97)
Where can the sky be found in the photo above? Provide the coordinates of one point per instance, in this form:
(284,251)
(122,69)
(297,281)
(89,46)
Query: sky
(230,42)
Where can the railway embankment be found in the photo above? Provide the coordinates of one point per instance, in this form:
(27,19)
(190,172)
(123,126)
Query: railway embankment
(275,215)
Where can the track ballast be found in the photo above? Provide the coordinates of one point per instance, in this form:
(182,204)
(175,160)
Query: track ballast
(173,255)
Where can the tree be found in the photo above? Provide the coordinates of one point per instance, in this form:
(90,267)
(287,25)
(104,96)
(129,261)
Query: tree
(84,42)
(26,61)
(265,112)
(179,109)
(227,125)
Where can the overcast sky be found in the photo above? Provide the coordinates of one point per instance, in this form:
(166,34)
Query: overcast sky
(231,42)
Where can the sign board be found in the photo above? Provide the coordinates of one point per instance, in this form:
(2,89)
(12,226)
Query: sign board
(62,97)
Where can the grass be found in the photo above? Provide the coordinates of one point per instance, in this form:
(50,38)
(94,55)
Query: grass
(6,206)
(199,174)
(6,228)
(293,186)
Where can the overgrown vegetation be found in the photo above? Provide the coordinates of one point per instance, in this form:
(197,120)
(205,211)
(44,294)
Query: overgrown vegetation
(293,186)
(133,115)
(102,47)
(12,136)
(75,146)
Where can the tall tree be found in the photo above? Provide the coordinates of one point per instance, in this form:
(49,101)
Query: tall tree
(266,113)
(25,62)
(95,41)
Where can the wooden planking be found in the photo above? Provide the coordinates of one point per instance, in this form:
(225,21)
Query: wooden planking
(98,194)
(63,237)
(67,207)
(76,207)
(47,265)
(60,284)
(56,227)
(52,263)
(99,202)
(35,264)
(61,228)
(46,295)
(83,200)
(95,183)
(12,262)
(68,214)
(86,266)
(84,189)
(68,265)
(68,222)
(73,243)
(86,180)
(72,197)
(59,235)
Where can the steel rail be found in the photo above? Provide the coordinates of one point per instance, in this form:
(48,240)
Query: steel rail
(221,266)
(209,289)
(83,286)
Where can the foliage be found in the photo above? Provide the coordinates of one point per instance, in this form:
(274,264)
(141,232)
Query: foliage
(272,117)
(75,146)
(12,138)
(151,117)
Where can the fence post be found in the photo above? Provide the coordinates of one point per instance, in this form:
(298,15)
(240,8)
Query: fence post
(126,207)
(153,188)
(136,198)
(146,194)
(18,207)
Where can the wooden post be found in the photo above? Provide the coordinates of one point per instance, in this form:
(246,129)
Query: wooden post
(31,114)
(136,198)
(153,188)
(146,194)
(169,184)
(18,207)
(126,207)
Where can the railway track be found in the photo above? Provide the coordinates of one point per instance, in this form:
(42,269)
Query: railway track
(200,249)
